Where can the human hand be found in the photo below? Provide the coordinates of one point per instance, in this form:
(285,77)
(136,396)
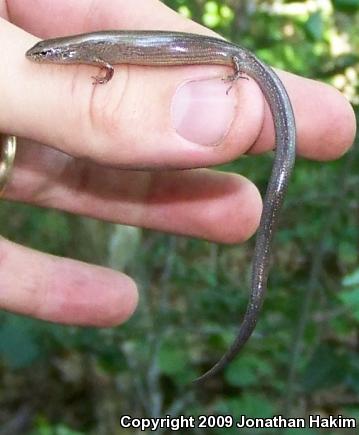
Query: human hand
(70,159)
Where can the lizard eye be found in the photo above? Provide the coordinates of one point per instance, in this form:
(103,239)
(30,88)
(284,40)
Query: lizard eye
(50,53)
(44,53)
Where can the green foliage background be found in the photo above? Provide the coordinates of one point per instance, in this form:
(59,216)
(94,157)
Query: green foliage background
(303,357)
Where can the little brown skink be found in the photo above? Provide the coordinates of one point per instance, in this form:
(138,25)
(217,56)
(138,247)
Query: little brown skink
(168,48)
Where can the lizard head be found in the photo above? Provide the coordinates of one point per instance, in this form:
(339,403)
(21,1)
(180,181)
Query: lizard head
(51,50)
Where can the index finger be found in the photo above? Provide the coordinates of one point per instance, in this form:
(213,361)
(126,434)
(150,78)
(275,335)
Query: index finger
(322,134)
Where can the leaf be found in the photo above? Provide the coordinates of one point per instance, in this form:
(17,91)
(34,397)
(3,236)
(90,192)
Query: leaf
(352,379)
(17,343)
(211,16)
(44,427)
(64,430)
(350,298)
(172,359)
(253,405)
(247,370)
(351,279)
(325,369)
(346,5)
(314,26)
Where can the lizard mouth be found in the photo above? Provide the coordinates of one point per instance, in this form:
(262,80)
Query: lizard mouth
(36,54)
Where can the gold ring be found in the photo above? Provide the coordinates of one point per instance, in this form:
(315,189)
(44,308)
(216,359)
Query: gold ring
(8,150)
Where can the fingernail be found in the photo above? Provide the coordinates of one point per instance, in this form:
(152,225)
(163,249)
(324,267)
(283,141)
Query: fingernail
(203,110)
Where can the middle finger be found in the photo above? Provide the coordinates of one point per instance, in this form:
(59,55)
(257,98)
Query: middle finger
(189,202)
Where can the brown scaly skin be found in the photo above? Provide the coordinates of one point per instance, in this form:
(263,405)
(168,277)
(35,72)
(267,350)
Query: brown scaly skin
(164,48)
